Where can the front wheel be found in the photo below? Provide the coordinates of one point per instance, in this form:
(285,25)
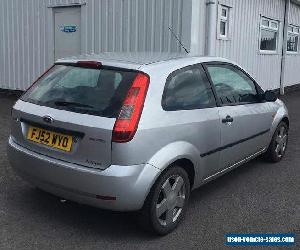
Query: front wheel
(278,145)
(167,201)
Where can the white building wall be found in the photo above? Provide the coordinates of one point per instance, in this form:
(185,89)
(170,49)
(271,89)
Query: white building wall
(244,33)
(292,72)
(27,40)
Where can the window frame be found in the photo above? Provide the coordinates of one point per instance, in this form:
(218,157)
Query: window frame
(269,28)
(294,34)
(259,90)
(199,66)
(226,20)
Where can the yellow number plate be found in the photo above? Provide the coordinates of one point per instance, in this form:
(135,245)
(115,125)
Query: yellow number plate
(51,139)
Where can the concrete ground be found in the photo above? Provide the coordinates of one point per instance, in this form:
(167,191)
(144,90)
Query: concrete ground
(256,198)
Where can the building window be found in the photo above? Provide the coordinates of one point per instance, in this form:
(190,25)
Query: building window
(293,39)
(223,29)
(268,35)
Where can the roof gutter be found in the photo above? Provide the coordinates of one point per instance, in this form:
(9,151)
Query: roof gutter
(211,27)
(284,46)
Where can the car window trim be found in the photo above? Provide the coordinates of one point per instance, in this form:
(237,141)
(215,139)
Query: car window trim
(199,66)
(216,63)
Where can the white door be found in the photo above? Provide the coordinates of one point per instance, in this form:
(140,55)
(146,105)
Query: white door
(67,32)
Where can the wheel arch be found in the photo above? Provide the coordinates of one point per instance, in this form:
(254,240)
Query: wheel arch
(281,115)
(189,168)
(182,154)
(184,163)
(286,120)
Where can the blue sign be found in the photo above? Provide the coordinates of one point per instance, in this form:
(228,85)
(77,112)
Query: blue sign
(68,28)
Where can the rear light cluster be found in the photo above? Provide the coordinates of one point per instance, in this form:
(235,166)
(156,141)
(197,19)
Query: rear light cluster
(129,116)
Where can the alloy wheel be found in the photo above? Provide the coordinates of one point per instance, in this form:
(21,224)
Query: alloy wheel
(281,141)
(171,200)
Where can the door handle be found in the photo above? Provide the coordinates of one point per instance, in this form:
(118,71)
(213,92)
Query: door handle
(228,119)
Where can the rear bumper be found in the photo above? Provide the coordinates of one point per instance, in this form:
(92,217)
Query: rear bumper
(128,184)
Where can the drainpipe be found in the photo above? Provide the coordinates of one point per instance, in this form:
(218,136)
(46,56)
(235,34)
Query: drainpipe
(211,27)
(284,46)
(195,29)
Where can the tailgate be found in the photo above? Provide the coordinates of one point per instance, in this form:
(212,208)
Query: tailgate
(90,135)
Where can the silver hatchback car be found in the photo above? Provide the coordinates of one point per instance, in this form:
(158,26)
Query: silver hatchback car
(138,132)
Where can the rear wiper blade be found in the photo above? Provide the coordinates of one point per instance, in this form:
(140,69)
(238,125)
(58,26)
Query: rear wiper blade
(73,104)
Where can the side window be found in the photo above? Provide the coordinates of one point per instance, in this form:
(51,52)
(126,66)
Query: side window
(232,85)
(188,89)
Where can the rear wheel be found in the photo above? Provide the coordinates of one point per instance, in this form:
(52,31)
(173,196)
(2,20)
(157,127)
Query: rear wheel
(278,145)
(166,203)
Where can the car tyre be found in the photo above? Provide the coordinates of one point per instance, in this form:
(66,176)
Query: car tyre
(167,201)
(278,145)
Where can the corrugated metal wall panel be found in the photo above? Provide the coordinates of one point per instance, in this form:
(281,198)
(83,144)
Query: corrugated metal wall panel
(27,44)
(27,41)
(24,42)
(243,45)
(292,73)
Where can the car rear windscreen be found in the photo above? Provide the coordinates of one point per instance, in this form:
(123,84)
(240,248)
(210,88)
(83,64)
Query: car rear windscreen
(83,90)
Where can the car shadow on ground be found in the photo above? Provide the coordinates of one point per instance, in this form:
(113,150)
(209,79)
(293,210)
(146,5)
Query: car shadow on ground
(112,224)
(84,218)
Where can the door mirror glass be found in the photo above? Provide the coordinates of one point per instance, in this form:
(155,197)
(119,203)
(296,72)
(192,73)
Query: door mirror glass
(270,96)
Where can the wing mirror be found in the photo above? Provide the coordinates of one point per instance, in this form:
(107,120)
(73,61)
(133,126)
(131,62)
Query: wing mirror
(270,96)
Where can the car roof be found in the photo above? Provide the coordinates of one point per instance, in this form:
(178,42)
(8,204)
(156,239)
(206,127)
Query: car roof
(136,60)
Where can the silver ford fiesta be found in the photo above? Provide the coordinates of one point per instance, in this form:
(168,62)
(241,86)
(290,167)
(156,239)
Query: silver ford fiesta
(138,132)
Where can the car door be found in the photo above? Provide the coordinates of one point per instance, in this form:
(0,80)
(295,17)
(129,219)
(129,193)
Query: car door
(191,109)
(245,119)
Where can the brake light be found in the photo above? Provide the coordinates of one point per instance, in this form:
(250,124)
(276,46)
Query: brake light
(130,114)
(89,64)
(39,78)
